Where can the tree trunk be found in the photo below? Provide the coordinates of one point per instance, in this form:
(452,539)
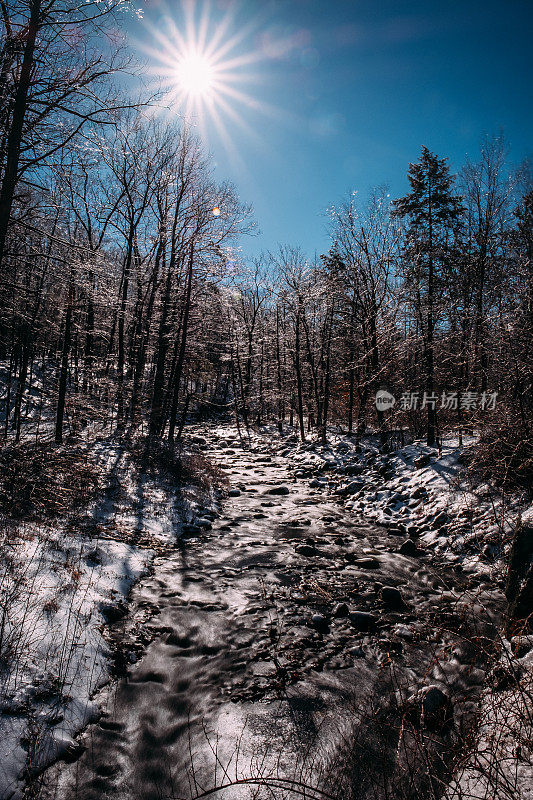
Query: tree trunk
(299,388)
(63,373)
(183,347)
(14,140)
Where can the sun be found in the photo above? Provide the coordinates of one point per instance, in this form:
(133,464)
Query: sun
(195,75)
(203,72)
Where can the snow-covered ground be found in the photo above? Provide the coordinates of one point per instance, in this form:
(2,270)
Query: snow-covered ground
(418,492)
(61,583)
(427,497)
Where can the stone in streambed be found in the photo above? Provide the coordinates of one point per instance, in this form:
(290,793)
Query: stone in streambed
(341,610)
(363,620)
(521,645)
(278,490)
(189,529)
(392,598)
(432,707)
(306,550)
(112,612)
(408,548)
(320,623)
(367,563)
(234,493)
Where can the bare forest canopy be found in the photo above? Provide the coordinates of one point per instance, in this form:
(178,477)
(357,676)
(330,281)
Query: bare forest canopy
(125,302)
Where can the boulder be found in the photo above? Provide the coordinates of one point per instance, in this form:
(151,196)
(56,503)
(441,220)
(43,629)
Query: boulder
(112,612)
(408,548)
(392,598)
(278,490)
(320,623)
(353,469)
(431,708)
(341,610)
(354,486)
(189,529)
(363,620)
(306,550)
(521,645)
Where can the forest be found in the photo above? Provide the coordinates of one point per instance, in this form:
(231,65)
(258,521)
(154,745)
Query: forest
(126,303)
(129,313)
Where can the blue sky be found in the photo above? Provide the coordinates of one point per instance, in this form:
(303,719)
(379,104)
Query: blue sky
(345,93)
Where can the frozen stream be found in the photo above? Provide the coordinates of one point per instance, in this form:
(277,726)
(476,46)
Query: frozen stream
(253,669)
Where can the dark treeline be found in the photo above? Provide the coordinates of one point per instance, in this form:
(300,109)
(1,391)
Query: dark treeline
(125,303)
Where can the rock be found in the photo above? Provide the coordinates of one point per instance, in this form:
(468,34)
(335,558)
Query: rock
(422,461)
(204,524)
(386,470)
(306,550)
(353,487)
(279,490)
(408,548)
(234,493)
(432,707)
(341,610)
(440,520)
(189,529)
(363,620)
(113,612)
(419,493)
(353,469)
(367,563)
(521,645)
(392,598)
(320,623)
(299,598)
(490,551)
(72,752)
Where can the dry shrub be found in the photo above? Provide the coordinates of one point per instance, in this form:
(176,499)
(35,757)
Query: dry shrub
(504,452)
(182,467)
(43,480)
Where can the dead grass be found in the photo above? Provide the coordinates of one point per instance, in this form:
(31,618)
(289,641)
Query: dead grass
(40,480)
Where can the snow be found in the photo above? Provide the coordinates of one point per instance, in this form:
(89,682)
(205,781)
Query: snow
(57,654)
(57,583)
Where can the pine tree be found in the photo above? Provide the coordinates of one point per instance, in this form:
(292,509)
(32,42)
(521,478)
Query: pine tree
(431,211)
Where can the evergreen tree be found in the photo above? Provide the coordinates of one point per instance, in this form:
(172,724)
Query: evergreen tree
(431,210)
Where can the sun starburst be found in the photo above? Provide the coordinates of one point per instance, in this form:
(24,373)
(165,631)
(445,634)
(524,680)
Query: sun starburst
(203,67)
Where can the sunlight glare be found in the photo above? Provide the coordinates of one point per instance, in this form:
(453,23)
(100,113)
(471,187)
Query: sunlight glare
(203,70)
(195,74)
